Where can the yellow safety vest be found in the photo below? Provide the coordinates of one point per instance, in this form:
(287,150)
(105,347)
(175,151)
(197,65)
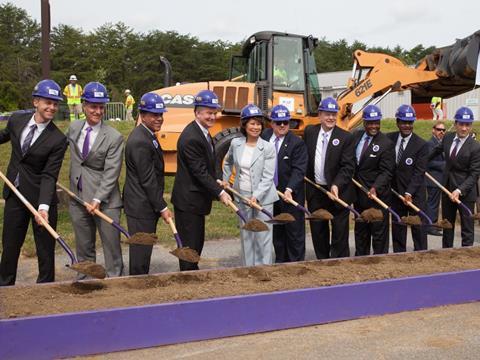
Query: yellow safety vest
(129,102)
(436,102)
(73,93)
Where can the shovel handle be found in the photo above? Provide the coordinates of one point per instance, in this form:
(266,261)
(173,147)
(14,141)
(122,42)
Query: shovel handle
(294,203)
(244,198)
(44,222)
(409,203)
(175,232)
(445,190)
(374,197)
(237,211)
(325,191)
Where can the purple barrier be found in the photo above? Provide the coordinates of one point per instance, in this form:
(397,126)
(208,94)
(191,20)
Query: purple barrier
(102,331)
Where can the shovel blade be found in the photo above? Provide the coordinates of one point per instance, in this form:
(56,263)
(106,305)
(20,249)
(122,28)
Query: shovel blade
(186,254)
(89,268)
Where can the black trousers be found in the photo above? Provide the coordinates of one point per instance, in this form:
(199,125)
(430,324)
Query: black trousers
(140,255)
(325,246)
(433,202)
(371,235)
(449,212)
(399,232)
(15,225)
(289,239)
(191,229)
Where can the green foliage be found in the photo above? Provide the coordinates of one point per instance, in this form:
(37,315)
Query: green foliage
(121,58)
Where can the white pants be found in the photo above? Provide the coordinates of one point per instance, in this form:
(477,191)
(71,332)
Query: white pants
(257,247)
(437,114)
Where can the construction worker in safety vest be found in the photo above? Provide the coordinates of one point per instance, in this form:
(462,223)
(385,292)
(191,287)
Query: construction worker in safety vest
(73,92)
(129,102)
(436,106)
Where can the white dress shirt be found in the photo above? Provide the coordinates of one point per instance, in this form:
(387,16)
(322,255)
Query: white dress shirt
(405,143)
(320,155)
(93,135)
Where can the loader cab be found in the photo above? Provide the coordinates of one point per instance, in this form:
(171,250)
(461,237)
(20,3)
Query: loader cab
(282,66)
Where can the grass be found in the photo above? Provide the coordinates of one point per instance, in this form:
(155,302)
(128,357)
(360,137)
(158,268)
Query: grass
(221,223)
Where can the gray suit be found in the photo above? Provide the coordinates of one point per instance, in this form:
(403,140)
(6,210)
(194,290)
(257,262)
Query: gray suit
(257,247)
(99,174)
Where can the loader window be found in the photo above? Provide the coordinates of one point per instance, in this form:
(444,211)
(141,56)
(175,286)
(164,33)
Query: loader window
(313,89)
(288,67)
(257,63)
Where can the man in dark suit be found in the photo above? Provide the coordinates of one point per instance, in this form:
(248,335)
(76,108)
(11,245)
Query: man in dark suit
(195,184)
(462,169)
(375,154)
(331,165)
(435,167)
(144,182)
(291,166)
(38,147)
(411,153)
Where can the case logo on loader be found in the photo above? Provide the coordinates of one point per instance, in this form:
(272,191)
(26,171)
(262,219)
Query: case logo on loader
(364,87)
(178,100)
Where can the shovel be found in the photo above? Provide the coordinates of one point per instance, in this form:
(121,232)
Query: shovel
(138,238)
(380,202)
(282,218)
(358,217)
(310,216)
(445,190)
(182,252)
(84,267)
(415,220)
(254,225)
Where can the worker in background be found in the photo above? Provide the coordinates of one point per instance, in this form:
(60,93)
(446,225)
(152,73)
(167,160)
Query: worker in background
(331,163)
(73,93)
(96,154)
(290,169)
(195,185)
(462,169)
(375,154)
(145,180)
(435,167)
(436,106)
(411,153)
(129,102)
(37,149)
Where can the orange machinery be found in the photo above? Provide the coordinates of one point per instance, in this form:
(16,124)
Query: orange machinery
(278,68)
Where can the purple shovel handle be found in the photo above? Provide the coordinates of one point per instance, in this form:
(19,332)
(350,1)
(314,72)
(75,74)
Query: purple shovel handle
(266,212)
(391,211)
(465,208)
(241,215)
(426,217)
(67,249)
(121,229)
(355,212)
(178,240)
(300,207)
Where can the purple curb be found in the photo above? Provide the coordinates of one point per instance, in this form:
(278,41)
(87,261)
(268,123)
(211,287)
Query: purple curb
(101,331)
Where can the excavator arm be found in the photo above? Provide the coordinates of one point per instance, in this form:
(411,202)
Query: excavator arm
(446,72)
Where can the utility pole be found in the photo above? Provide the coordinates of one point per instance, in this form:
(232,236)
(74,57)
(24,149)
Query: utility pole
(45,39)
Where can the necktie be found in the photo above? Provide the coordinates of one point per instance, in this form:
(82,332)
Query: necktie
(453,154)
(28,139)
(210,141)
(366,142)
(275,174)
(400,150)
(86,143)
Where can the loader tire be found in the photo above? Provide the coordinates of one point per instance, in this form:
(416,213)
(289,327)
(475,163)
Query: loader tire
(222,143)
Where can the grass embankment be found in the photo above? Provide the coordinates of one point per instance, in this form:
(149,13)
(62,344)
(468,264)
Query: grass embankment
(221,223)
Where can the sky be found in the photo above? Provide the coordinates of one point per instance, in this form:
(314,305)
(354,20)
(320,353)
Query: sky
(374,22)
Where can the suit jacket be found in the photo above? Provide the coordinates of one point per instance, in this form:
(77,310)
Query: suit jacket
(409,174)
(292,159)
(463,171)
(38,169)
(101,169)
(339,162)
(144,181)
(262,168)
(195,184)
(436,166)
(376,166)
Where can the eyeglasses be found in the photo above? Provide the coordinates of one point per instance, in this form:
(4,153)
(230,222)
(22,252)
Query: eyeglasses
(279,123)
(442,130)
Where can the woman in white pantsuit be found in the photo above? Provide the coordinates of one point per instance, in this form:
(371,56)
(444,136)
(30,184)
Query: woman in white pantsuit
(254,160)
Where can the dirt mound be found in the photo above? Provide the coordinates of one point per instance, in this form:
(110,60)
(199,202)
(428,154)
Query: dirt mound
(89,268)
(255,225)
(371,215)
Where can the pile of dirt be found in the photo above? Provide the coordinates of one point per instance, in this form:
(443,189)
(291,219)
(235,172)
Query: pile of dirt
(89,268)
(142,238)
(371,215)
(322,214)
(186,254)
(284,217)
(443,224)
(21,301)
(411,220)
(255,225)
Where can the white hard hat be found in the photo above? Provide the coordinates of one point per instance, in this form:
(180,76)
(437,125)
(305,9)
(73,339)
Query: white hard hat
(127,91)
(73,77)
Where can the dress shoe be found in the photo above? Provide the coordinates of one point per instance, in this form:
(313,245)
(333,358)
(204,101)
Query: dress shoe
(434,232)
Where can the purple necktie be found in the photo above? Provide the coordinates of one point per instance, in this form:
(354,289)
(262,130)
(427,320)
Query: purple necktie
(275,174)
(86,143)
(366,142)
(453,154)
(28,139)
